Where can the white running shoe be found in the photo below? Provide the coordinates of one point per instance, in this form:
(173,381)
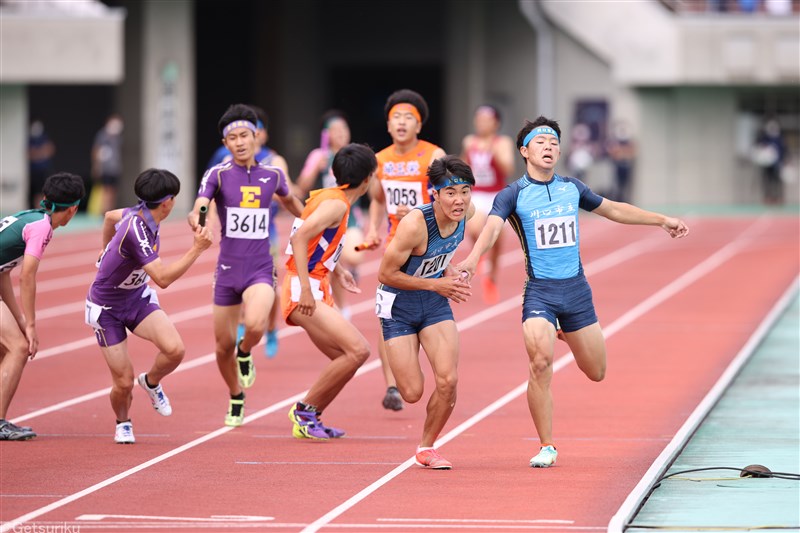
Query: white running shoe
(546,457)
(157,397)
(124,433)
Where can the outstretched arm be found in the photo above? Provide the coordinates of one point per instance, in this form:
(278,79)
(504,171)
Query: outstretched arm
(625,213)
(163,275)
(489,234)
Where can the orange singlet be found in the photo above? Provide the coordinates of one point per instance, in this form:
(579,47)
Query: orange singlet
(404,179)
(324,251)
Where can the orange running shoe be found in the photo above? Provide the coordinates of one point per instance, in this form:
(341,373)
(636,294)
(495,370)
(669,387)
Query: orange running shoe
(490,294)
(431,458)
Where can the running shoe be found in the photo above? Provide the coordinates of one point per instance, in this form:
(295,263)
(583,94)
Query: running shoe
(271,345)
(490,294)
(18,428)
(333,433)
(124,433)
(431,458)
(245,369)
(10,431)
(157,397)
(546,457)
(235,416)
(393,400)
(306,425)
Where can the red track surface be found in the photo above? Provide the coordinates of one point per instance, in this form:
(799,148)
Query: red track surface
(675,314)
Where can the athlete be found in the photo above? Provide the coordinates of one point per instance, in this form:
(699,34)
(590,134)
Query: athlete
(412,300)
(120,298)
(23,239)
(402,185)
(242,191)
(315,247)
(265,156)
(542,208)
(491,156)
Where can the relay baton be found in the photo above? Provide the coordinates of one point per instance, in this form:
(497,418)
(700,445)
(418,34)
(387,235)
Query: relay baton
(203,212)
(361,247)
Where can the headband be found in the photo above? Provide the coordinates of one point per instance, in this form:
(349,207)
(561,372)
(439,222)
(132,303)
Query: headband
(238,124)
(405,107)
(452,181)
(541,130)
(43,205)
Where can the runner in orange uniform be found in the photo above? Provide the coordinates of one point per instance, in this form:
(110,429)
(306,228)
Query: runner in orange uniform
(402,185)
(314,248)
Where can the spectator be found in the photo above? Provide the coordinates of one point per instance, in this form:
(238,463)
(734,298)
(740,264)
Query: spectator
(769,154)
(622,151)
(107,161)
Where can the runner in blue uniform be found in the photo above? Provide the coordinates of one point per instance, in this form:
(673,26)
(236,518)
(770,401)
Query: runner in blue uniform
(542,208)
(412,300)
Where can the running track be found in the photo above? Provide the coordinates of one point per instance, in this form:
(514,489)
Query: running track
(675,314)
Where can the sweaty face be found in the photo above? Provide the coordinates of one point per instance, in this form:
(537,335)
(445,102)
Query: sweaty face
(455,201)
(543,151)
(242,144)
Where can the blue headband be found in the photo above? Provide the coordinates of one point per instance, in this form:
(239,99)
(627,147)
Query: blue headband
(43,205)
(238,124)
(452,181)
(541,130)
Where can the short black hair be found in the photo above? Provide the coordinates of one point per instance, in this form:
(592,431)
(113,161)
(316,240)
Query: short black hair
(155,184)
(443,168)
(407,96)
(353,164)
(237,112)
(539,121)
(62,188)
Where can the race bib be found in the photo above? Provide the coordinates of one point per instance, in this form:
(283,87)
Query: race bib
(402,193)
(556,232)
(384,301)
(135,279)
(429,268)
(247,223)
(7,221)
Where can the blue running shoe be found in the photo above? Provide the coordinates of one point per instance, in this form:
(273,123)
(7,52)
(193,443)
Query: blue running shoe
(271,347)
(239,333)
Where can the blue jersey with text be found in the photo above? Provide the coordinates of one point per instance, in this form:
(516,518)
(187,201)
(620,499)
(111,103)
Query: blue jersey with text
(440,249)
(544,216)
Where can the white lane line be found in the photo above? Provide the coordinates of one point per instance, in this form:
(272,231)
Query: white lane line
(212,518)
(659,297)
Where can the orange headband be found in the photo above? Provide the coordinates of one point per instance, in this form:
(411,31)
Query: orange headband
(405,108)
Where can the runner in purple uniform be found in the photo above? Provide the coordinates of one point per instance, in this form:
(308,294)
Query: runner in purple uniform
(121,299)
(23,238)
(242,190)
